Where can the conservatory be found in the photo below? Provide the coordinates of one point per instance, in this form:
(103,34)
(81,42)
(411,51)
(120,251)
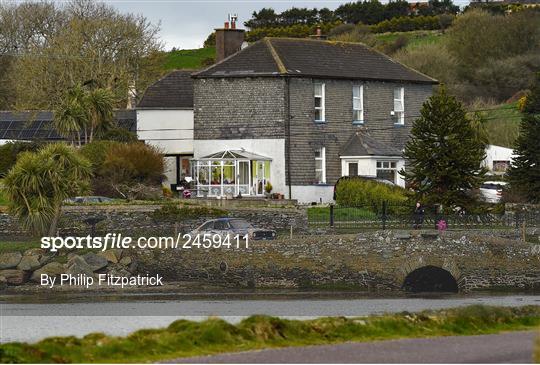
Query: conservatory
(231,173)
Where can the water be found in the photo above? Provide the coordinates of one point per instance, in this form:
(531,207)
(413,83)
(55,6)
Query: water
(77,316)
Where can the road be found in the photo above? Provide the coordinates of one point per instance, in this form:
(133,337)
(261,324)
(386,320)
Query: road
(512,347)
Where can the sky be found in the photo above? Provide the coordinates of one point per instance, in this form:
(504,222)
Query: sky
(185,24)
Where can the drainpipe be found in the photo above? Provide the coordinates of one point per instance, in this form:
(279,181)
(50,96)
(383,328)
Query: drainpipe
(288,132)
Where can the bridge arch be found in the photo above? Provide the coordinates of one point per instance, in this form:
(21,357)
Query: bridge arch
(430,278)
(415,273)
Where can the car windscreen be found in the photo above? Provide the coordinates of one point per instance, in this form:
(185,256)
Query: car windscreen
(207,226)
(239,224)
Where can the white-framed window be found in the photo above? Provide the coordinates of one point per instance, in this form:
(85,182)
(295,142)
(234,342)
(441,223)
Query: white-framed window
(387,170)
(358,104)
(318,93)
(399,105)
(320,165)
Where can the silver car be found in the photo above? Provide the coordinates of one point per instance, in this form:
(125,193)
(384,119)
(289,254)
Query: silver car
(491,191)
(234,226)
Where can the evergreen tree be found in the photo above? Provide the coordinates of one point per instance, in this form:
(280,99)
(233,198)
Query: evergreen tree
(445,153)
(524,174)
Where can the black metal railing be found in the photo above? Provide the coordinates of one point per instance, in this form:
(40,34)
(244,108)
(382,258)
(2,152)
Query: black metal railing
(386,216)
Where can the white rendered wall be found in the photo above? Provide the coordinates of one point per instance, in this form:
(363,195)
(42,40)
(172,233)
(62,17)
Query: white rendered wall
(272,148)
(497,153)
(170,170)
(306,194)
(169,130)
(367,166)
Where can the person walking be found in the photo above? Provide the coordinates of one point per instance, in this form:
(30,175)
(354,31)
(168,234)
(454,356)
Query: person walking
(419,212)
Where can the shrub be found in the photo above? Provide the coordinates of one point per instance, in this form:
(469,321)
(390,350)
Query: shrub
(399,43)
(407,24)
(293,31)
(11,150)
(173,212)
(126,170)
(367,193)
(133,162)
(119,134)
(361,33)
(167,192)
(96,152)
(341,29)
(434,60)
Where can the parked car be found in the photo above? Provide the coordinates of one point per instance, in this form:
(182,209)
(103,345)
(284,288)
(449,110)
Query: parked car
(89,199)
(369,178)
(491,191)
(234,226)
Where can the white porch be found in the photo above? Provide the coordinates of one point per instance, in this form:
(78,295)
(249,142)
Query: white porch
(231,173)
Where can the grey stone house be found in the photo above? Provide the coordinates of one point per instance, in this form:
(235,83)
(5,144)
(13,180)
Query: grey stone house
(300,113)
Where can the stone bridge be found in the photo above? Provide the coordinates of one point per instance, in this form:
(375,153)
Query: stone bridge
(411,261)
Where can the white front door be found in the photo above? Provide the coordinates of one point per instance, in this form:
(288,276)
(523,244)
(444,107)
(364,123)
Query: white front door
(260,181)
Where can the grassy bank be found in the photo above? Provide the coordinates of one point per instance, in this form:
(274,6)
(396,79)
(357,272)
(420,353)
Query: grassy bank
(193,59)
(21,246)
(185,338)
(502,124)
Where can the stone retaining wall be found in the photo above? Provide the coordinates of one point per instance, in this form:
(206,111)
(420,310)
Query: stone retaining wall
(373,261)
(138,219)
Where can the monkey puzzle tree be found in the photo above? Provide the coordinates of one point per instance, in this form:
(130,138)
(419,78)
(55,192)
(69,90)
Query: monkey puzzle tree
(445,153)
(524,174)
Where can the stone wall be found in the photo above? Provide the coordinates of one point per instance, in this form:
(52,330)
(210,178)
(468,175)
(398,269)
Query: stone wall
(373,261)
(239,108)
(139,219)
(307,135)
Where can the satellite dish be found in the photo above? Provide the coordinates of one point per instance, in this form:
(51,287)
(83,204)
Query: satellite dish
(244,45)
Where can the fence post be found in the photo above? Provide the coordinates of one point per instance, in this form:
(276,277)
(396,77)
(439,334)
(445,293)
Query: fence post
(332,215)
(384,214)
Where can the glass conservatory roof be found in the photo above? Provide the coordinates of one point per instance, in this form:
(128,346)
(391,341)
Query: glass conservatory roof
(235,155)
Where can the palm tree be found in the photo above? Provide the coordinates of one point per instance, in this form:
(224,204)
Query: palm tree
(39,183)
(70,117)
(99,104)
(84,112)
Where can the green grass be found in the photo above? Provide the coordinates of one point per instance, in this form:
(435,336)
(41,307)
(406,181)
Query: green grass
(502,124)
(322,214)
(185,338)
(18,246)
(188,58)
(415,38)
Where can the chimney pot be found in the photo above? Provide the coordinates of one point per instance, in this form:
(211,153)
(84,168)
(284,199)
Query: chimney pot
(229,39)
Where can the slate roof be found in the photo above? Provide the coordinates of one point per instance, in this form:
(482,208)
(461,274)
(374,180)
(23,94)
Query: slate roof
(38,125)
(173,91)
(313,58)
(362,144)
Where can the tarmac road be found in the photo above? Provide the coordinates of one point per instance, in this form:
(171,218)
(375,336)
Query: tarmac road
(510,347)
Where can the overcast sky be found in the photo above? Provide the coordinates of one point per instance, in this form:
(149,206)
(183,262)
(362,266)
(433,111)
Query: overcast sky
(185,24)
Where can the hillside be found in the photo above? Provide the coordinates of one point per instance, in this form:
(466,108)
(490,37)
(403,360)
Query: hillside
(202,57)
(502,124)
(502,121)
(189,58)
(411,39)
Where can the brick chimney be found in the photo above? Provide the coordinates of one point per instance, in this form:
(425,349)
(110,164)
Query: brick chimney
(228,39)
(318,34)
